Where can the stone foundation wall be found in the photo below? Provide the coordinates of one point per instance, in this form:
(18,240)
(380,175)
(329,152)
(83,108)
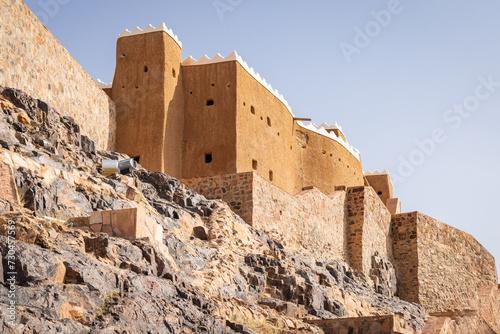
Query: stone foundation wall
(31,59)
(489,305)
(310,222)
(437,265)
(125,223)
(452,266)
(384,324)
(368,224)
(439,325)
(404,248)
(234,189)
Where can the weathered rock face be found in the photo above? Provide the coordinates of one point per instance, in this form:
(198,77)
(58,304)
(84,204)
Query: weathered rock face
(218,275)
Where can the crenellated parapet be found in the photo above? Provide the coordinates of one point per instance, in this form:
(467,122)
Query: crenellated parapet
(149,29)
(323,130)
(234,56)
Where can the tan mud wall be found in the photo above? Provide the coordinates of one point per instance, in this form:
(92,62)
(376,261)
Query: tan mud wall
(147,90)
(32,60)
(296,157)
(381,183)
(209,129)
(324,163)
(271,144)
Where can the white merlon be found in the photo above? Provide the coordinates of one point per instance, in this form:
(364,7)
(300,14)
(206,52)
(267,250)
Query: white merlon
(334,126)
(190,61)
(150,28)
(322,131)
(377,172)
(103,84)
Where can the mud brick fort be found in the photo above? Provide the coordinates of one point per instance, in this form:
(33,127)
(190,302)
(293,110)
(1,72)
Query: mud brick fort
(218,126)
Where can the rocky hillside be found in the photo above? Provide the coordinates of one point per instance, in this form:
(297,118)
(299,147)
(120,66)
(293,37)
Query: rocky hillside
(218,276)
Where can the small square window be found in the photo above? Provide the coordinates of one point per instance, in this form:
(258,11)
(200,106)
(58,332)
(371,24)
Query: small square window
(210,102)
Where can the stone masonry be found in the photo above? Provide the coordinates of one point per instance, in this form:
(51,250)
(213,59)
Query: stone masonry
(368,222)
(33,60)
(439,266)
(126,223)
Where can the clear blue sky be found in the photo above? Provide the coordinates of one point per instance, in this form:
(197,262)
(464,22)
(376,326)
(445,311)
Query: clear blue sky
(422,71)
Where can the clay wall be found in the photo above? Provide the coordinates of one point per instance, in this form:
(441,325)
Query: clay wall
(265,141)
(368,224)
(210,129)
(382,185)
(147,89)
(324,163)
(451,265)
(31,59)
(247,128)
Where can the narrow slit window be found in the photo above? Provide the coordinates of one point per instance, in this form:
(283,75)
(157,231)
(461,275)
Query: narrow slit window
(208,158)
(210,102)
(271,175)
(146,69)
(255,164)
(268,121)
(252,110)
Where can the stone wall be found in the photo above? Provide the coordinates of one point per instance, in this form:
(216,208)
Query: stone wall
(368,224)
(309,222)
(130,224)
(385,324)
(404,248)
(438,325)
(452,266)
(31,59)
(489,305)
(234,189)
(439,266)
(352,225)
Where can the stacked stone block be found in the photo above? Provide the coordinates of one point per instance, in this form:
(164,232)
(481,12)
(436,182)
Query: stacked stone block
(234,189)
(384,324)
(439,266)
(404,248)
(126,223)
(32,59)
(368,222)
